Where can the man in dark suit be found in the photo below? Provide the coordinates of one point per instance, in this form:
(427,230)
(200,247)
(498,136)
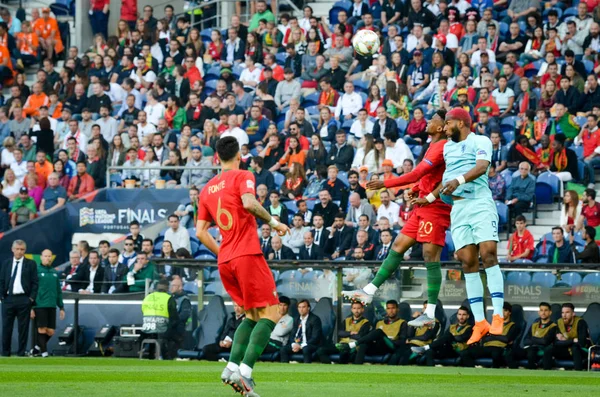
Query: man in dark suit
(265,240)
(310,251)
(306,336)
(280,251)
(340,238)
(113,273)
(97,271)
(382,251)
(18,289)
(364,224)
(384,124)
(76,275)
(319,233)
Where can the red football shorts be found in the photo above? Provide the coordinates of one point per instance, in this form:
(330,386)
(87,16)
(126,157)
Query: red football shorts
(428,224)
(249,281)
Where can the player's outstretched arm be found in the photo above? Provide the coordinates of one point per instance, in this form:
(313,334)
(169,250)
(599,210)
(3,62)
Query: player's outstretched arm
(205,237)
(480,168)
(253,206)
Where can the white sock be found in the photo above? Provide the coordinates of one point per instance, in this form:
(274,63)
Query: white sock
(45,354)
(352,345)
(370,289)
(474,288)
(245,371)
(430,310)
(426,347)
(495,283)
(232,366)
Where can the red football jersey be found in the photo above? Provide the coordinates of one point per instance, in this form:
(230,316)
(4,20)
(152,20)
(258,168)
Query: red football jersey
(518,244)
(591,214)
(221,203)
(428,172)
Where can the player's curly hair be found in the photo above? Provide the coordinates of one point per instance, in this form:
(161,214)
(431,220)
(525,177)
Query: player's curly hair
(227,148)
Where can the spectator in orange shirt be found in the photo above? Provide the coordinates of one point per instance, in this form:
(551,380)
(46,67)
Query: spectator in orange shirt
(81,184)
(47,30)
(36,100)
(28,44)
(521,243)
(6,70)
(43,168)
(294,154)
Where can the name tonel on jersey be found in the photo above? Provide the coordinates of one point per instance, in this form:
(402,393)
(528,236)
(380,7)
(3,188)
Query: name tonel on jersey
(216,188)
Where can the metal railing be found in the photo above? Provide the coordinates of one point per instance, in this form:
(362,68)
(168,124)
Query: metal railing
(153,168)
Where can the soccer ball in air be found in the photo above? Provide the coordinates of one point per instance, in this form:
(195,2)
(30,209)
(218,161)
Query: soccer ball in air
(366,42)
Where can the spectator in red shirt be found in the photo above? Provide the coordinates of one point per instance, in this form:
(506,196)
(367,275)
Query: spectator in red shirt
(521,243)
(192,73)
(589,137)
(590,211)
(487,103)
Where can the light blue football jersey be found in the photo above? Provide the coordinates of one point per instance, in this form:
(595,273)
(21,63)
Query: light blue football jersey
(461,157)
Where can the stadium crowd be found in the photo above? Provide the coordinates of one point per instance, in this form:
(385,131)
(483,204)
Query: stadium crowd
(309,113)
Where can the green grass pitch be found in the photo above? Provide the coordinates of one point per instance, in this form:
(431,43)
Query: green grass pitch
(131,377)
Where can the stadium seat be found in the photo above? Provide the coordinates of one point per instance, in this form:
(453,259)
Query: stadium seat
(211,320)
(416,150)
(214,276)
(518,278)
(545,279)
(502,215)
(509,134)
(312,110)
(556,311)
(592,278)
(279,179)
(508,176)
(195,246)
(404,311)
(569,12)
(215,288)
(361,85)
(310,204)
(190,287)
(592,318)
(280,57)
(571,278)
(552,180)
(311,100)
(543,193)
(291,206)
(503,29)
(402,124)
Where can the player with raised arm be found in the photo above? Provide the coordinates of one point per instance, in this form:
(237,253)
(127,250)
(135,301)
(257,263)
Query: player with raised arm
(229,200)
(427,224)
(474,217)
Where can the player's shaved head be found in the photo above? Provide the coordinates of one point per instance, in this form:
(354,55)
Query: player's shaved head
(227,148)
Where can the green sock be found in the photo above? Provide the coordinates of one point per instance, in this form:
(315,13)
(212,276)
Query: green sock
(434,281)
(389,266)
(240,341)
(258,341)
